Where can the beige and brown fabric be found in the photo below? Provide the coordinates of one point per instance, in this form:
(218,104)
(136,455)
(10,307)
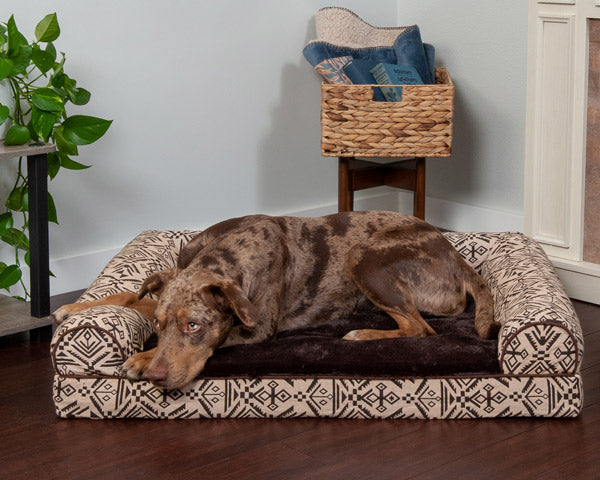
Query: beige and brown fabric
(540,348)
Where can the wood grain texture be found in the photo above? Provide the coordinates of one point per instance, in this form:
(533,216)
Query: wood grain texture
(15,317)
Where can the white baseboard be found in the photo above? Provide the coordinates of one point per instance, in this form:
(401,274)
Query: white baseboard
(581,279)
(468,218)
(384,199)
(77,272)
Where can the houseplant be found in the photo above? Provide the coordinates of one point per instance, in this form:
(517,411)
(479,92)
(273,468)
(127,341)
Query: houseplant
(41,92)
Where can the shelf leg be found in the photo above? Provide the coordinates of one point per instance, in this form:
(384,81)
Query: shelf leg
(38,235)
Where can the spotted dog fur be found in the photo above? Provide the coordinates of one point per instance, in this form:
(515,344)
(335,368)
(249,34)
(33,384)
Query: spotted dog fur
(244,279)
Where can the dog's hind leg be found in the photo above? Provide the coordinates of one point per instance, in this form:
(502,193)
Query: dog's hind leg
(405,271)
(394,298)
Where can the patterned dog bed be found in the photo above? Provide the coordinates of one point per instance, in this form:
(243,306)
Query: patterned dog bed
(532,369)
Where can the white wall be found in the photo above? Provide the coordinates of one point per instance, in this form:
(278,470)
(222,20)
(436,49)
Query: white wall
(484,46)
(216,114)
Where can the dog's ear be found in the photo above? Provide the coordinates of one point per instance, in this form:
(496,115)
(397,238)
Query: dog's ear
(157,282)
(226,295)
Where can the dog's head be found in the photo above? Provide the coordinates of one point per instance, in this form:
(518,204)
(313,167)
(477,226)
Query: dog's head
(194,315)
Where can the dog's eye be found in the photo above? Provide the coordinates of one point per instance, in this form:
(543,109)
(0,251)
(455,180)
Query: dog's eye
(156,325)
(192,327)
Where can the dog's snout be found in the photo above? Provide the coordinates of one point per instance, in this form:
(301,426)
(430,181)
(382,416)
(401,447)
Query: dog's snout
(157,375)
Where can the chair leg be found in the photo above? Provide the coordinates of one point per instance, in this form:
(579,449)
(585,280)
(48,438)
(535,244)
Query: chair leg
(345,193)
(419,196)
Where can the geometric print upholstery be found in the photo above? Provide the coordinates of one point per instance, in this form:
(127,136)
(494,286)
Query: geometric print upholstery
(149,252)
(540,351)
(98,340)
(540,331)
(417,398)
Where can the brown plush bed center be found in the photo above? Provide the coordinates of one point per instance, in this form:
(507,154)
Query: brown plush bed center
(320,351)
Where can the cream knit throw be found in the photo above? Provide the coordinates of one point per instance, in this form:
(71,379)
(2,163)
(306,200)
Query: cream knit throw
(340,26)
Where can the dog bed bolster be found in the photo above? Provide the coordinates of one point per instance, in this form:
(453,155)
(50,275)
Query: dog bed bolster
(540,331)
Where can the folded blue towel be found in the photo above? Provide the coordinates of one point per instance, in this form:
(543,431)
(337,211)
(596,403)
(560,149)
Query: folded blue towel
(408,49)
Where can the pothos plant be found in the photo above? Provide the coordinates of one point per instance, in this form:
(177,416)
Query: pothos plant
(41,92)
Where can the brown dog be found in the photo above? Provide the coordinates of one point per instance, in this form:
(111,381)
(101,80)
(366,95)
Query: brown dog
(244,279)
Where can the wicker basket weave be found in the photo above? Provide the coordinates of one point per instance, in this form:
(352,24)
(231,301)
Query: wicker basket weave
(354,125)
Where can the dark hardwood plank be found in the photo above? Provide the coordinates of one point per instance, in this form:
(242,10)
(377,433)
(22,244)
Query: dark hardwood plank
(589,316)
(591,386)
(530,455)
(417,448)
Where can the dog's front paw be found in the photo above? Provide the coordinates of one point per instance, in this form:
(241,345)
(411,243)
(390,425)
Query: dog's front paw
(135,367)
(65,312)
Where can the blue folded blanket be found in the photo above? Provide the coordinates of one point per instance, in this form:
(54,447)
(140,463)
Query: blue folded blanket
(407,50)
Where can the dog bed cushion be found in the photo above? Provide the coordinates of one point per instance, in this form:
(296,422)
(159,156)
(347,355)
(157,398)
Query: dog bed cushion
(532,369)
(320,350)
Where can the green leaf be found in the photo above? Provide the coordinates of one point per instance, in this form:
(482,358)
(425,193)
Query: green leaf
(16,238)
(51,50)
(66,162)
(83,130)
(70,83)
(79,96)
(47,30)
(15,200)
(15,38)
(48,100)
(18,200)
(42,59)
(53,163)
(4,113)
(52,210)
(10,276)
(58,79)
(63,145)
(6,221)
(17,135)
(42,122)
(21,60)
(6,67)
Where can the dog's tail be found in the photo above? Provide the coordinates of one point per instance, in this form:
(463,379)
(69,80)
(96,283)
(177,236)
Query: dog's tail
(484,305)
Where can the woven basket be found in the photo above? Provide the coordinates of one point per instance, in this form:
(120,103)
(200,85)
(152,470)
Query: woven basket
(354,125)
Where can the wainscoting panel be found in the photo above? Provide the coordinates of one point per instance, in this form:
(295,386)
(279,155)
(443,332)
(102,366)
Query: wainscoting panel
(562,164)
(552,144)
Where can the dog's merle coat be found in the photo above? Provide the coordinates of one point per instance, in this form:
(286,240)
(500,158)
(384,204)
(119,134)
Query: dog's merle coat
(243,280)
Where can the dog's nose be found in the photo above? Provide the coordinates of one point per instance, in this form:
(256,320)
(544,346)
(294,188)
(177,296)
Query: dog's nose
(157,375)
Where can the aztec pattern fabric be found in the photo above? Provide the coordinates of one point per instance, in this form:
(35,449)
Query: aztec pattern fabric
(332,70)
(540,349)
(419,398)
(540,332)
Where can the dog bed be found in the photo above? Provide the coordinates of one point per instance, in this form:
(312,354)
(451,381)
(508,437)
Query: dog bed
(532,369)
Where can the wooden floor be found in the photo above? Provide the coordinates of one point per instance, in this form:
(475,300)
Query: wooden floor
(35,444)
